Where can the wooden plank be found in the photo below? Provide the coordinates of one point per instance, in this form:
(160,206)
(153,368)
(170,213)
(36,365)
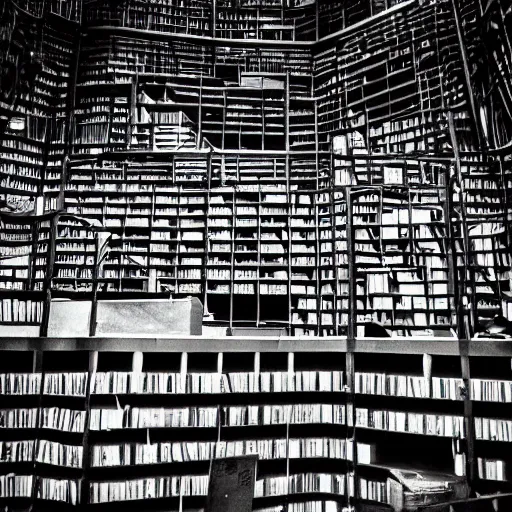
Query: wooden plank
(432,346)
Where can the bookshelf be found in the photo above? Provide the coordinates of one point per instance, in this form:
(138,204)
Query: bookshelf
(223,19)
(133,409)
(258,20)
(223,159)
(321,169)
(188,17)
(38,58)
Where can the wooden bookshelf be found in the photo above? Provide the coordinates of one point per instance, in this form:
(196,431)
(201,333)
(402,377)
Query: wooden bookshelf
(226,390)
(227,168)
(39,58)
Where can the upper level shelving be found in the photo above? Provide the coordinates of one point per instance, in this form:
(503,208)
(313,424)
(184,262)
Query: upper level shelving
(238,20)
(222,168)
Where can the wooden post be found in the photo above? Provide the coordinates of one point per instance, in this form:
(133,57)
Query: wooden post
(351,418)
(352,298)
(464,329)
(471,466)
(204,272)
(86,457)
(332,197)
(50,265)
(133,118)
(37,367)
(287,170)
(467,76)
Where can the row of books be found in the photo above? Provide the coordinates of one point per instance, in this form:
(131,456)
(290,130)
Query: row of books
(58,454)
(487,390)
(55,418)
(13,232)
(20,171)
(492,429)
(408,386)
(20,157)
(76,273)
(197,485)
(244,288)
(284,414)
(70,384)
(243,382)
(273,289)
(21,486)
(134,417)
(18,264)
(16,486)
(19,310)
(218,217)
(373,490)
(75,384)
(265,382)
(67,491)
(491,469)
(301,483)
(77,259)
(18,418)
(148,488)
(161,453)
(294,448)
(17,451)
(414,423)
(17,186)
(190,17)
(20,383)
(10,251)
